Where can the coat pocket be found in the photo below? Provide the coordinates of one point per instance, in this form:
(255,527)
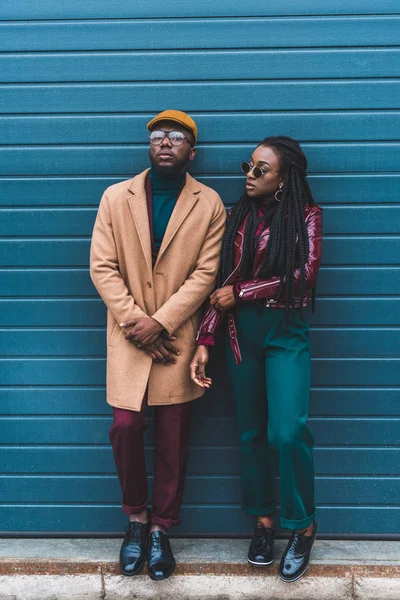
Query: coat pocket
(112,337)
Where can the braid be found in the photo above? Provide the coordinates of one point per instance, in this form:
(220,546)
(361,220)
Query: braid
(288,247)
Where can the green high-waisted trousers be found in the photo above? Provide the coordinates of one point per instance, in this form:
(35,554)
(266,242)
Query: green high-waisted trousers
(271,389)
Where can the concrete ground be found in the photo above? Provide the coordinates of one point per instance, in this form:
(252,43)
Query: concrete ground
(87,569)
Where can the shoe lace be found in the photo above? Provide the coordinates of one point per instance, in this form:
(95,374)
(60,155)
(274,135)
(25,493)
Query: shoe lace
(263,536)
(299,542)
(133,532)
(158,542)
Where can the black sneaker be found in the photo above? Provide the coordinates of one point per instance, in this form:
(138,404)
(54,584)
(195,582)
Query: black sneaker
(261,546)
(296,557)
(133,552)
(161,560)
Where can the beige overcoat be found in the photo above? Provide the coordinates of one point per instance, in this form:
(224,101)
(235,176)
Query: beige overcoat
(172,292)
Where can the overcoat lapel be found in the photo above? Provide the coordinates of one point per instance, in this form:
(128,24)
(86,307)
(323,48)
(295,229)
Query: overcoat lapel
(187,199)
(138,205)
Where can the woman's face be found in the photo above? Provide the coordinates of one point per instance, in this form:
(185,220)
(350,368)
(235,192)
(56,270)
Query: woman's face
(265,186)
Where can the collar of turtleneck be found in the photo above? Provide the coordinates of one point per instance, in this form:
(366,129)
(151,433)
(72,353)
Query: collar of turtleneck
(166,183)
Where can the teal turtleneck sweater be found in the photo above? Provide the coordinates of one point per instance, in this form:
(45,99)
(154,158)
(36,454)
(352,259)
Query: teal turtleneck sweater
(165,192)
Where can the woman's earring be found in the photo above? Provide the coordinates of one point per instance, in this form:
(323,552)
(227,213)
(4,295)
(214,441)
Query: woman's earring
(280,191)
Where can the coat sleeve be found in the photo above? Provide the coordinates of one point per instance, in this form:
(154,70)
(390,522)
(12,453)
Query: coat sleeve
(200,283)
(258,289)
(104,269)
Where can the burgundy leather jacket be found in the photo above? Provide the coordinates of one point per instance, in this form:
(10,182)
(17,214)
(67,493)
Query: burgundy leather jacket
(263,290)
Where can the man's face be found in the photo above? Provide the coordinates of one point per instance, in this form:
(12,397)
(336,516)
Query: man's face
(169,159)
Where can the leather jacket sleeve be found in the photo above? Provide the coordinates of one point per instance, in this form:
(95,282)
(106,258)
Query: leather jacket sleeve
(258,289)
(212,319)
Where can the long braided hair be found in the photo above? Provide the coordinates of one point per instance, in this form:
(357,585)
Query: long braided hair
(286,222)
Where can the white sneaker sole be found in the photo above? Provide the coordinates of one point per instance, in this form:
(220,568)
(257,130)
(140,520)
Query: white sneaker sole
(259,564)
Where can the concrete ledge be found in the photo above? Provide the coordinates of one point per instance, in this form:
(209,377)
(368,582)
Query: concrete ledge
(73,569)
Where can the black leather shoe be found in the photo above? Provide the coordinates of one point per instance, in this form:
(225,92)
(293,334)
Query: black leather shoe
(296,557)
(261,546)
(133,552)
(161,560)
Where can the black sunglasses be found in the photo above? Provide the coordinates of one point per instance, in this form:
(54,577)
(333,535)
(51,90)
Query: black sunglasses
(257,172)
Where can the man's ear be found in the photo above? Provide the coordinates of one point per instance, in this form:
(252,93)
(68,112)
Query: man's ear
(192,153)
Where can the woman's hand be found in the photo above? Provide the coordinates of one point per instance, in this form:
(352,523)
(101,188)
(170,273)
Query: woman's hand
(223,298)
(198,368)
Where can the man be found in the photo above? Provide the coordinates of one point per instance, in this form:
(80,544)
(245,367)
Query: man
(154,257)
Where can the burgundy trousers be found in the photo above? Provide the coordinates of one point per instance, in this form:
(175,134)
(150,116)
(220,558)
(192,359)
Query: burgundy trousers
(171,432)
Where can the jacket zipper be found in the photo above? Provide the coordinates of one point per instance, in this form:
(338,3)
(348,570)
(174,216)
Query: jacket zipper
(237,266)
(252,288)
(256,287)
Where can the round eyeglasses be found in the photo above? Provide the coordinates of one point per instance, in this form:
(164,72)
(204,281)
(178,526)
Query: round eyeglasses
(175,137)
(257,172)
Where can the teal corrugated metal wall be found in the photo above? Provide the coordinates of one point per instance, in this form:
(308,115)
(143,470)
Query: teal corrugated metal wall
(79,82)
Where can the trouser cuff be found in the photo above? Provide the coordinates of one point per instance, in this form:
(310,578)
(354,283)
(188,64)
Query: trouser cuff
(299,524)
(166,523)
(133,510)
(260,511)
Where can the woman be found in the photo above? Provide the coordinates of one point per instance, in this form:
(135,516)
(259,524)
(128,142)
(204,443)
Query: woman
(270,258)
